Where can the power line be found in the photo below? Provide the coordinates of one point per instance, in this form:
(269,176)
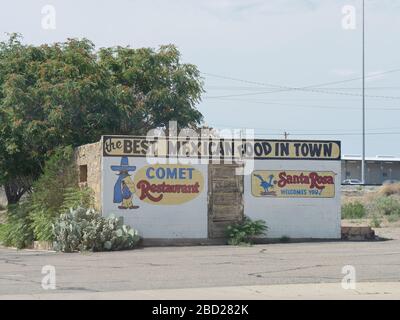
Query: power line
(336,134)
(276,132)
(263,84)
(333,88)
(304,88)
(309,106)
(298,131)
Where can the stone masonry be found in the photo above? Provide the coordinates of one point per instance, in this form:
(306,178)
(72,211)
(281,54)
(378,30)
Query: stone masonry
(89,155)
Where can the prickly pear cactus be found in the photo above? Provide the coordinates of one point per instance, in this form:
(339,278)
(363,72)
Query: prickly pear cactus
(86,230)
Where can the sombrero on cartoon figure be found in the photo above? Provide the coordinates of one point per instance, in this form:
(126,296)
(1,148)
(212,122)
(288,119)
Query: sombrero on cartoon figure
(124,166)
(123,170)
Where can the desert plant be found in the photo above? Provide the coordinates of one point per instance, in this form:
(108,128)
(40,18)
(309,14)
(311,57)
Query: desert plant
(353,210)
(375,221)
(83,229)
(393,217)
(387,205)
(54,193)
(389,189)
(244,232)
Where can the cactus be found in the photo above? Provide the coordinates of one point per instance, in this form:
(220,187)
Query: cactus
(85,230)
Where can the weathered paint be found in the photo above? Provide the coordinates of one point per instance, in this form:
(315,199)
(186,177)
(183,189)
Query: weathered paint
(175,215)
(171,201)
(293,184)
(296,217)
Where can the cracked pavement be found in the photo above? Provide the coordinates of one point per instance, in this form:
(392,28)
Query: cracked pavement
(201,267)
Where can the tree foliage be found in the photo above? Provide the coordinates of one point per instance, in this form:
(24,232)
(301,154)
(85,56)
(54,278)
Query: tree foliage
(70,94)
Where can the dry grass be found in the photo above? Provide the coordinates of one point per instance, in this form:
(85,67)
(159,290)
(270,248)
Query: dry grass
(370,199)
(390,189)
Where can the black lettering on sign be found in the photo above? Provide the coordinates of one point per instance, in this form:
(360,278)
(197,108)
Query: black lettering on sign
(284,149)
(328,150)
(116,146)
(144,146)
(296,148)
(127,146)
(304,150)
(315,149)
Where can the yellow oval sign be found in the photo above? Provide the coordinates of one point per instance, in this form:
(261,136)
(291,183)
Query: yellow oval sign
(168,184)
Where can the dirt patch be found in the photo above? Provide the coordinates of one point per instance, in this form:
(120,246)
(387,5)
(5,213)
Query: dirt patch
(389,233)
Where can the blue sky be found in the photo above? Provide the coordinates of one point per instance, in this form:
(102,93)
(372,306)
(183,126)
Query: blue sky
(247,49)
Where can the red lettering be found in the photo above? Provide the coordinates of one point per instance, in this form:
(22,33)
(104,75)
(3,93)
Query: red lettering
(147,189)
(312,179)
(282,179)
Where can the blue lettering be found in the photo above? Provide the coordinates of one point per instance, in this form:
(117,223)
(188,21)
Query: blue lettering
(148,173)
(160,173)
(171,173)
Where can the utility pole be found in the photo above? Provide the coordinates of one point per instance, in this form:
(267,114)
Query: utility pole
(363,95)
(286,134)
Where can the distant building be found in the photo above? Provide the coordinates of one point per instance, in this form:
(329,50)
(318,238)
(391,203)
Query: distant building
(378,169)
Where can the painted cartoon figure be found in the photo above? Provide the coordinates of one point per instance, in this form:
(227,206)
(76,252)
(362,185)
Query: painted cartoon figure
(266,185)
(124,188)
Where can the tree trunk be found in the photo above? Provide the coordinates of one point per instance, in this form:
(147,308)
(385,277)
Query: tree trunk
(16,189)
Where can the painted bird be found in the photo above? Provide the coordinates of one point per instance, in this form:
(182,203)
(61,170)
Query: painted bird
(265,184)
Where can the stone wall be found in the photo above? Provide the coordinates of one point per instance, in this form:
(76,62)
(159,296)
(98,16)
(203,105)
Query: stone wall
(89,155)
(225,198)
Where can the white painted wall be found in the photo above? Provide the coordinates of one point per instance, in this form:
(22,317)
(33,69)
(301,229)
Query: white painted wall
(187,220)
(296,217)
(292,217)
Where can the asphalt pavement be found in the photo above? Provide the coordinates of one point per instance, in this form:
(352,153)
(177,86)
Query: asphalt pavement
(160,268)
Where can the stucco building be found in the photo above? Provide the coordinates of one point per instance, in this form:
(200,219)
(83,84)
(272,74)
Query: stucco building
(185,190)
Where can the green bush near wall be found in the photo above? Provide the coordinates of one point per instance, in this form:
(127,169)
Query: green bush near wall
(353,210)
(17,231)
(54,212)
(244,232)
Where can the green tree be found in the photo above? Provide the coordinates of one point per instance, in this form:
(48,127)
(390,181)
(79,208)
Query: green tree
(70,94)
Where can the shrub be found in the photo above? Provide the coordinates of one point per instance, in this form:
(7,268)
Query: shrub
(375,221)
(75,197)
(387,205)
(86,230)
(393,218)
(54,192)
(17,231)
(50,192)
(389,189)
(244,232)
(284,239)
(42,225)
(353,210)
